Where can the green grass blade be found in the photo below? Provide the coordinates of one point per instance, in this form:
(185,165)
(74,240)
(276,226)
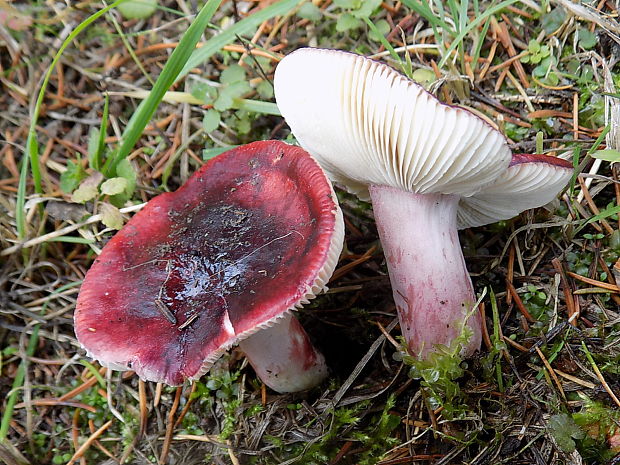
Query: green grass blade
(130,50)
(168,76)
(256,106)
(71,239)
(58,291)
(387,46)
(20,214)
(103,131)
(454,13)
(497,340)
(463,18)
(604,214)
(244,26)
(599,140)
(480,43)
(483,17)
(93,371)
(31,142)
(573,179)
(17,383)
(424,10)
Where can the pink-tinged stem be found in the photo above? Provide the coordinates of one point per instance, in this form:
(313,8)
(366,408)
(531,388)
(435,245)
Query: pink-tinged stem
(432,288)
(284,358)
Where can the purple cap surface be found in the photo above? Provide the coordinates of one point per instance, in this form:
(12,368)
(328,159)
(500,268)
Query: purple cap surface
(251,235)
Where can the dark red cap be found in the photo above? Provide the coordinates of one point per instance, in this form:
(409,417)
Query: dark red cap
(249,237)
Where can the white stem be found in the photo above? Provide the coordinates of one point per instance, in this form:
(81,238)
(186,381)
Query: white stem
(432,288)
(284,358)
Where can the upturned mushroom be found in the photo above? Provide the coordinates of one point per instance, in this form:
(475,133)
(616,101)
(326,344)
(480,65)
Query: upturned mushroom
(423,164)
(254,234)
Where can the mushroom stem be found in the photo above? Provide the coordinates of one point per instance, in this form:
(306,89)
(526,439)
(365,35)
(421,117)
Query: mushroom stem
(284,358)
(432,289)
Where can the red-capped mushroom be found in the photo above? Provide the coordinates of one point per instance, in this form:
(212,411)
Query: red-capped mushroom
(252,235)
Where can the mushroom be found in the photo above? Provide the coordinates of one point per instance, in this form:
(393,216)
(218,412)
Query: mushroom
(254,234)
(531,180)
(422,163)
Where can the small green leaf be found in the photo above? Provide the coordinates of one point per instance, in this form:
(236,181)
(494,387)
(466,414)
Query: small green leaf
(234,73)
(88,189)
(564,429)
(243,124)
(228,93)
(111,216)
(137,9)
(236,89)
(72,177)
(211,120)
(125,170)
(346,3)
(366,8)
(383,28)
(264,88)
(114,186)
(423,76)
(553,20)
(587,39)
(533,46)
(203,92)
(346,22)
(607,155)
(310,11)
(553,79)
(223,102)
(543,67)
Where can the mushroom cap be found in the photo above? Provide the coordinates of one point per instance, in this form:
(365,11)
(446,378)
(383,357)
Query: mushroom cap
(368,124)
(252,235)
(531,180)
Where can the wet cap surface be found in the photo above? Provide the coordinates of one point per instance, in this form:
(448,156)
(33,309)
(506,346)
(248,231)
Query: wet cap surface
(236,247)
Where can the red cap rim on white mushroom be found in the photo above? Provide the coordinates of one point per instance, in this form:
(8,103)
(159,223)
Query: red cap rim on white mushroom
(375,131)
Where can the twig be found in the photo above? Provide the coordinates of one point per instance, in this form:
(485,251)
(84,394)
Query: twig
(599,375)
(568,296)
(84,447)
(519,302)
(551,372)
(361,364)
(170,425)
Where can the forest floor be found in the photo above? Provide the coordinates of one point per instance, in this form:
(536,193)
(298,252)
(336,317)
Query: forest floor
(544,388)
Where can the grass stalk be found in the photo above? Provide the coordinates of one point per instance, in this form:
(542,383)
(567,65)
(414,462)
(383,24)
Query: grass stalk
(497,340)
(18,381)
(168,76)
